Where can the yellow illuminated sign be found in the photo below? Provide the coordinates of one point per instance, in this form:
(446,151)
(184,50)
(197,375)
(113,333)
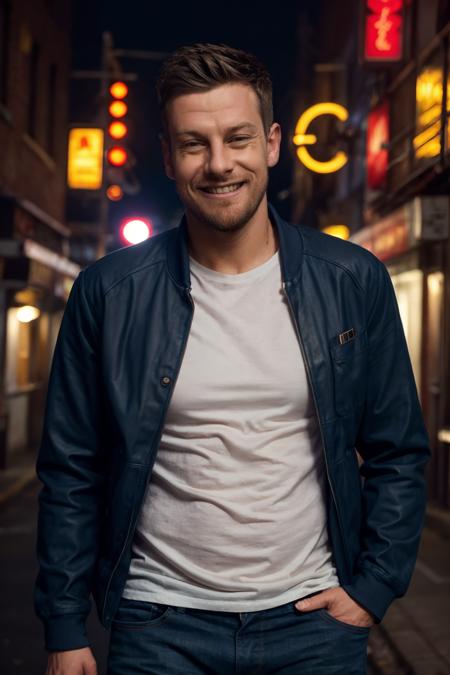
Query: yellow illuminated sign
(302,138)
(85,159)
(340,231)
(429,100)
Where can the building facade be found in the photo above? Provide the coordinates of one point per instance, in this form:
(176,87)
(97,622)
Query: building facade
(36,272)
(393,191)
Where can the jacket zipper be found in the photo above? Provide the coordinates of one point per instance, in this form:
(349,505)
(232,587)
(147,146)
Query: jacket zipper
(308,371)
(188,293)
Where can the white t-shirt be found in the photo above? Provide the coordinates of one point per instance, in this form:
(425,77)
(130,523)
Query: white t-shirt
(234,516)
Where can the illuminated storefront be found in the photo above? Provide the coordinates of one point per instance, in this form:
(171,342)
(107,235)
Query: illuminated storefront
(412,241)
(395,240)
(35,281)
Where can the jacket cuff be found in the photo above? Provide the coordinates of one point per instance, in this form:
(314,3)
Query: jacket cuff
(65,632)
(372,593)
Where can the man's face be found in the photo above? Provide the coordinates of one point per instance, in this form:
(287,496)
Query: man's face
(218,154)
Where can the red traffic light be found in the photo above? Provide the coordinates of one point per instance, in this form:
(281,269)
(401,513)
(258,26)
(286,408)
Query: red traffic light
(117,156)
(118,109)
(114,192)
(135,230)
(117,130)
(118,89)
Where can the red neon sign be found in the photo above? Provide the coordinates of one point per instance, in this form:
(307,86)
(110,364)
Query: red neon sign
(383,30)
(377,140)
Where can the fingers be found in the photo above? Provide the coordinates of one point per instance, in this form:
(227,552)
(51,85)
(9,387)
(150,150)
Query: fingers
(318,601)
(90,668)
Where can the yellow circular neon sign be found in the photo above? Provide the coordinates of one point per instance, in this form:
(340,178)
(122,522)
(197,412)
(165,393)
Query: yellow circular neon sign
(302,138)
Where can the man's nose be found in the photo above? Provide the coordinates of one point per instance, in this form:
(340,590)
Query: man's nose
(219,160)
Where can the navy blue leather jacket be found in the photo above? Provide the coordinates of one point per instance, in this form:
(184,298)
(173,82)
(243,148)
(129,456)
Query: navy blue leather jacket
(115,365)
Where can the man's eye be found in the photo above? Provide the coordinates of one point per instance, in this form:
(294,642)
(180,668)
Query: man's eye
(191,144)
(239,139)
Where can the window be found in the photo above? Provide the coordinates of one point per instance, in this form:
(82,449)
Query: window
(51,114)
(33,90)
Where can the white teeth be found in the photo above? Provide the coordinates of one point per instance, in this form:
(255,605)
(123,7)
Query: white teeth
(222,190)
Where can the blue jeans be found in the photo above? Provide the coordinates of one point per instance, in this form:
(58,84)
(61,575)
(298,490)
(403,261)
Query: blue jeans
(155,639)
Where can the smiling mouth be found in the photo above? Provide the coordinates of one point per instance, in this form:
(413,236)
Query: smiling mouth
(224,189)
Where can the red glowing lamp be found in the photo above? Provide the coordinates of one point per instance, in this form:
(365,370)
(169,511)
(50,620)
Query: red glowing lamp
(135,230)
(117,156)
(117,130)
(118,109)
(118,90)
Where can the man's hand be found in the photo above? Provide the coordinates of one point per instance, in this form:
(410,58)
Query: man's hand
(340,605)
(73,662)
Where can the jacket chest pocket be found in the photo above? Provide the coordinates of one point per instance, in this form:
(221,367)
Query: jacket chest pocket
(348,359)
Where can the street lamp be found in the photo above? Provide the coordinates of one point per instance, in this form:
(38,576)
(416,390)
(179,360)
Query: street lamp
(135,230)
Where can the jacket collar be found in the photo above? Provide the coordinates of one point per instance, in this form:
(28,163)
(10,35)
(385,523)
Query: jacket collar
(290,246)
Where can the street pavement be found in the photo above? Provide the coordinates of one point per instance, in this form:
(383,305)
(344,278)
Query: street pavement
(417,626)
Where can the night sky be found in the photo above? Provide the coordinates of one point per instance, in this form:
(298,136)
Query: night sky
(267,30)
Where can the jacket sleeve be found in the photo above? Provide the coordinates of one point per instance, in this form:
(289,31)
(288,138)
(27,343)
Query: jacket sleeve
(393,444)
(70,469)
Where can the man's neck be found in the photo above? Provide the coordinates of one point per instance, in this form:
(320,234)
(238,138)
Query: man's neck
(233,252)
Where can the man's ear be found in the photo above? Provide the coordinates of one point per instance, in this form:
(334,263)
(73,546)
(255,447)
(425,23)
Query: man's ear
(165,148)
(273,144)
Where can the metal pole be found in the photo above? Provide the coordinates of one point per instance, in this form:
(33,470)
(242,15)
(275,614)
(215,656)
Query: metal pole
(103,206)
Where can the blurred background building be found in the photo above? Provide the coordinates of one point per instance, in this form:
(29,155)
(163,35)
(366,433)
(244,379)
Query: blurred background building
(392,193)
(373,167)
(36,271)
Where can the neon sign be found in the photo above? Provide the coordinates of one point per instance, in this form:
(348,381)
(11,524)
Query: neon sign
(377,146)
(85,159)
(383,30)
(302,138)
(429,102)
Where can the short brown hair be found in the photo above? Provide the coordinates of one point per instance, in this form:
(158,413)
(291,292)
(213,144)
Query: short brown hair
(203,66)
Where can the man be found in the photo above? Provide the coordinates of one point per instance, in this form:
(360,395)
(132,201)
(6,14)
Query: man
(209,393)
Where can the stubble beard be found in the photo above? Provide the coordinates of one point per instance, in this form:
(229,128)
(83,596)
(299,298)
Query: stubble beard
(224,219)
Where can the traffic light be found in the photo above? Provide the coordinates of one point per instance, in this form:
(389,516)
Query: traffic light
(118,90)
(118,109)
(117,155)
(117,130)
(114,192)
(135,230)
